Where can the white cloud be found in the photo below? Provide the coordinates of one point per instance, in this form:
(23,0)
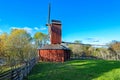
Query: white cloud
(43,28)
(28,29)
(40,29)
(36,28)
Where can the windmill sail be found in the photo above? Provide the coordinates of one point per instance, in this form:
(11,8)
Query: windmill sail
(48,23)
(49,9)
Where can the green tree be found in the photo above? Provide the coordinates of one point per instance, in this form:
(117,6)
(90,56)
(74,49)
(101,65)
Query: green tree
(40,39)
(76,49)
(17,47)
(18,43)
(77,41)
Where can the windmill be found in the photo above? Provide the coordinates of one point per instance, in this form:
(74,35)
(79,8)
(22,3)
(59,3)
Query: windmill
(54,52)
(54,29)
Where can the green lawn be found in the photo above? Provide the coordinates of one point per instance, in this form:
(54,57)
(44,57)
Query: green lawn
(77,70)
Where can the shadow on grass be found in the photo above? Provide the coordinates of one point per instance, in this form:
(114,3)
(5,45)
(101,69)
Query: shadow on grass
(72,70)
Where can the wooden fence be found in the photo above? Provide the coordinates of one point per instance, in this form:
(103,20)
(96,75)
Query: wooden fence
(18,73)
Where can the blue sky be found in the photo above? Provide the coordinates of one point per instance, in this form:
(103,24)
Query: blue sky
(91,21)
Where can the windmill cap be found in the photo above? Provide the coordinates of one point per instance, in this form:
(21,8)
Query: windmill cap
(56,22)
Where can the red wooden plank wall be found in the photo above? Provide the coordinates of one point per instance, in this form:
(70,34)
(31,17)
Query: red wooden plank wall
(54,55)
(55,33)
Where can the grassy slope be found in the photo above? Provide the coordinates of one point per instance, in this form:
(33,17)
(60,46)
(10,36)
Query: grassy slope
(77,70)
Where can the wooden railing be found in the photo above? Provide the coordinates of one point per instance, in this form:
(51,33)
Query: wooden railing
(19,73)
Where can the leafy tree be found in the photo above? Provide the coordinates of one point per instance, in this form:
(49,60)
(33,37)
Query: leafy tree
(3,38)
(16,47)
(76,49)
(18,44)
(77,41)
(40,39)
(4,56)
(114,48)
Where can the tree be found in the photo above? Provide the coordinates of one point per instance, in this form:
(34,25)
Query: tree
(77,41)
(3,54)
(3,39)
(40,39)
(114,48)
(45,39)
(18,43)
(76,49)
(17,47)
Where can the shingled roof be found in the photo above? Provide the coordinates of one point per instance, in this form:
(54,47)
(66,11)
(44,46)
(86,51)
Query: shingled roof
(55,46)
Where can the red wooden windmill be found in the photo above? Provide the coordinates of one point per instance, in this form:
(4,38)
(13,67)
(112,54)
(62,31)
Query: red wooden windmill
(54,29)
(54,52)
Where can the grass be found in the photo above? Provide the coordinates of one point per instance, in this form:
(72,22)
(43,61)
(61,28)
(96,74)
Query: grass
(76,70)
